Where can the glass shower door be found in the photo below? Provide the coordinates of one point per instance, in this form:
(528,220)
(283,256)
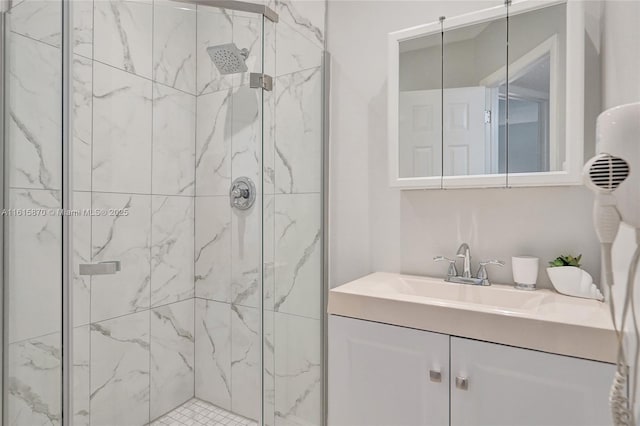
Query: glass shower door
(293,227)
(32,116)
(229,283)
(165,122)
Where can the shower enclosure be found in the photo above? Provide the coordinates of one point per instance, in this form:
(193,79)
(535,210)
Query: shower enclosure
(163,226)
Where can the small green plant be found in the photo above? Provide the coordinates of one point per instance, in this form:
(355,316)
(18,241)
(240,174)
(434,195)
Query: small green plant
(566,261)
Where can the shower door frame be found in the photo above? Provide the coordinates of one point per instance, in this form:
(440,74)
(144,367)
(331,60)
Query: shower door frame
(4,7)
(66,403)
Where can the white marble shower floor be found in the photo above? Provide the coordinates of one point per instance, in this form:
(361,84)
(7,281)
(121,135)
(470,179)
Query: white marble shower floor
(196,412)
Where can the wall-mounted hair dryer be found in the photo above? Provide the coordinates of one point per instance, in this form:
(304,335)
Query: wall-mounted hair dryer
(614,175)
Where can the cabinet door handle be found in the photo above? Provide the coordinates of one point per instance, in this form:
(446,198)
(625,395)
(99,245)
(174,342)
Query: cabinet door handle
(435,376)
(462,383)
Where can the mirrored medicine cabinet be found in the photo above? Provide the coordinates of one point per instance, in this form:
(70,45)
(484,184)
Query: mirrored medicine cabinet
(494,98)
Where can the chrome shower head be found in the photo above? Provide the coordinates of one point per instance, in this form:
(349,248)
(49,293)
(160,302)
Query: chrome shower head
(228,58)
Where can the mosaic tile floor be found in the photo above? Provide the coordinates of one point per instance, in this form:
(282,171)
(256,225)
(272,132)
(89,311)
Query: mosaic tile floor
(196,412)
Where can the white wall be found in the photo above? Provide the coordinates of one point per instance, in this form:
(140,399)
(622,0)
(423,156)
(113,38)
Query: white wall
(621,85)
(375,228)
(621,52)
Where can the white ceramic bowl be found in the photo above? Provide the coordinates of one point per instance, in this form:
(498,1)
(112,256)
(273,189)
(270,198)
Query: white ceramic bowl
(573,281)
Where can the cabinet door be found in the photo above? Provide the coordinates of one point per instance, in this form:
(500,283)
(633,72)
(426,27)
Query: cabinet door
(379,375)
(512,386)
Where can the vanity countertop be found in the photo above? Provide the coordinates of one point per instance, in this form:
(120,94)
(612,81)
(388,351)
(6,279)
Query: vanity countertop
(542,320)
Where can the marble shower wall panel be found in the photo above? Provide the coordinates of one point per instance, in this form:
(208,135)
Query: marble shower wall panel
(120,371)
(174,45)
(295,52)
(268,252)
(298,254)
(81,234)
(127,239)
(38,20)
(307,17)
(34,382)
(82,71)
(122,127)
(81,375)
(246,134)
(246,247)
(213,143)
(172,247)
(269,385)
(298,132)
(34,112)
(269,138)
(174,136)
(213,248)
(35,258)
(82,17)
(122,35)
(246,226)
(269,48)
(298,372)
(172,356)
(213,352)
(245,361)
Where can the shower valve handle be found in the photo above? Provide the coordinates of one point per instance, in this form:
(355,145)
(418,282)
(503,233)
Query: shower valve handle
(240,192)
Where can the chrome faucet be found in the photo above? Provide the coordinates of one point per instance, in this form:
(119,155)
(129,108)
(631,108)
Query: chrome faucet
(482,278)
(465,252)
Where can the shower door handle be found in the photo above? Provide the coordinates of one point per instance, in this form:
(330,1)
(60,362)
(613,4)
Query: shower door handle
(102,268)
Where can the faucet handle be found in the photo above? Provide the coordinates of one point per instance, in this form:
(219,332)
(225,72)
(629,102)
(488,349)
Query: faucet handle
(482,272)
(492,262)
(452,271)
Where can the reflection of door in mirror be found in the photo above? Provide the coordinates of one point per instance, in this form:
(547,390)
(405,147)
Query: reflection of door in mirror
(419,128)
(465,150)
(420,107)
(471,142)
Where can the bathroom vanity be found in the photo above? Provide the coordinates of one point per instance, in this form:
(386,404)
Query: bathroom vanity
(407,350)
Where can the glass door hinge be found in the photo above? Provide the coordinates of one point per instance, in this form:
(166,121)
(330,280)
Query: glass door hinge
(487,116)
(261,81)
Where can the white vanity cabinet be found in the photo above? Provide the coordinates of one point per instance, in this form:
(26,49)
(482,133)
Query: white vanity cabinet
(380,374)
(512,386)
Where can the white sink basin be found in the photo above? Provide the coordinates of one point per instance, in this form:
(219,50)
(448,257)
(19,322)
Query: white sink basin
(541,319)
(490,297)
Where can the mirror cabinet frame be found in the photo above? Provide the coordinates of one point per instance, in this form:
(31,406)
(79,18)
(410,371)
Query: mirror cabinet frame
(574,97)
